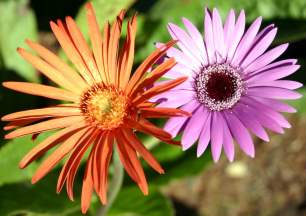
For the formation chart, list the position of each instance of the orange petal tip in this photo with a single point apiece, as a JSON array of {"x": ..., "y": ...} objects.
[
  {"x": 84, "y": 209},
  {"x": 22, "y": 165},
  {"x": 161, "y": 172},
  {"x": 19, "y": 49},
  {"x": 28, "y": 41},
  {"x": 7, "y": 136},
  {"x": 188, "y": 114},
  {"x": 88, "y": 6},
  {"x": 4, "y": 118},
  {"x": 34, "y": 180},
  {"x": 52, "y": 23}
]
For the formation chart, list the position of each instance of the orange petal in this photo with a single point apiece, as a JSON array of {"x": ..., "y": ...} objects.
[
  {"x": 48, "y": 143},
  {"x": 49, "y": 71},
  {"x": 125, "y": 160},
  {"x": 80, "y": 149},
  {"x": 70, "y": 50},
  {"x": 127, "y": 55},
  {"x": 83, "y": 49},
  {"x": 134, "y": 165},
  {"x": 145, "y": 105},
  {"x": 146, "y": 65},
  {"x": 87, "y": 187},
  {"x": 42, "y": 90},
  {"x": 163, "y": 138},
  {"x": 96, "y": 39},
  {"x": 159, "y": 112},
  {"x": 96, "y": 165},
  {"x": 105, "y": 46},
  {"x": 131, "y": 139},
  {"x": 157, "y": 73},
  {"x": 59, "y": 111},
  {"x": 115, "y": 34},
  {"x": 57, "y": 155},
  {"x": 158, "y": 89},
  {"x": 20, "y": 123},
  {"x": 59, "y": 64},
  {"x": 147, "y": 127},
  {"x": 102, "y": 157},
  {"x": 45, "y": 126},
  {"x": 77, "y": 154}
]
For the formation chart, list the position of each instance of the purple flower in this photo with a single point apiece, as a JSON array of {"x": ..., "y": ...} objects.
[{"x": 235, "y": 86}]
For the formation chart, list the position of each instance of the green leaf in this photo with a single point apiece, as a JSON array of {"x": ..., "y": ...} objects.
[
  {"x": 131, "y": 202},
  {"x": 11, "y": 153},
  {"x": 105, "y": 10},
  {"x": 16, "y": 24},
  {"x": 39, "y": 199},
  {"x": 153, "y": 26},
  {"x": 177, "y": 165}
]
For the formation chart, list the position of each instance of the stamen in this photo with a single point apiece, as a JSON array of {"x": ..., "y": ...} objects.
[
  {"x": 219, "y": 86},
  {"x": 104, "y": 106}
]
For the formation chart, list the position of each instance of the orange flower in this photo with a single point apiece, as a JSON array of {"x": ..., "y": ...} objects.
[{"x": 105, "y": 105}]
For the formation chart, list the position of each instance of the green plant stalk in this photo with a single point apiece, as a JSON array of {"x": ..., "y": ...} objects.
[{"x": 115, "y": 185}]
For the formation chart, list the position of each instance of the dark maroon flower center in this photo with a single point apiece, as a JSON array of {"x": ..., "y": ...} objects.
[{"x": 218, "y": 86}]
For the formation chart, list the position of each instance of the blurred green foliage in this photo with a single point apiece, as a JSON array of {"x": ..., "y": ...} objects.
[
  {"x": 131, "y": 201},
  {"x": 18, "y": 22}
]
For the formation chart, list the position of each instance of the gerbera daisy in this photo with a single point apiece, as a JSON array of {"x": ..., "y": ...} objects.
[
  {"x": 106, "y": 105},
  {"x": 234, "y": 86}
]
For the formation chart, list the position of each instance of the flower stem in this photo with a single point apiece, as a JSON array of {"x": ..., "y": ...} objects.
[{"x": 115, "y": 185}]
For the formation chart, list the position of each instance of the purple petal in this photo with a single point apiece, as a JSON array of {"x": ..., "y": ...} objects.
[
  {"x": 260, "y": 47},
  {"x": 286, "y": 84},
  {"x": 241, "y": 134},
  {"x": 264, "y": 32},
  {"x": 181, "y": 57},
  {"x": 246, "y": 41},
  {"x": 265, "y": 120},
  {"x": 185, "y": 43},
  {"x": 229, "y": 27},
  {"x": 216, "y": 135},
  {"x": 187, "y": 85},
  {"x": 277, "y": 105},
  {"x": 173, "y": 74},
  {"x": 228, "y": 144},
  {"x": 205, "y": 136},
  {"x": 218, "y": 34},
  {"x": 275, "y": 65},
  {"x": 194, "y": 127},
  {"x": 265, "y": 59},
  {"x": 277, "y": 117},
  {"x": 274, "y": 73},
  {"x": 273, "y": 93},
  {"x": 197, "y": 38},
  {"x": 250, "y": 122},
  {"x": 170, "y": 99},
  {"x": 209, "y": 37},
  {"x": 174, "y": 124},
  {"x": 187, "y": 71},
  {"x": 236, "y": 36}
]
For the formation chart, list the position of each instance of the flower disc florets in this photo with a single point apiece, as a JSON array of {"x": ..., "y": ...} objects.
[
  {"x": 106, "y": 106},
  {"x": 218, "y": 86}
]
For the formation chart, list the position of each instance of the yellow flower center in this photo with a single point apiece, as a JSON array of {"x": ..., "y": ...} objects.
[{"x": 104, "y": 106}]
